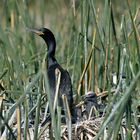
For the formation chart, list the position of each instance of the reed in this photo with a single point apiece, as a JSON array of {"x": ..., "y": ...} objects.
[{"x": 95, "y": 39}]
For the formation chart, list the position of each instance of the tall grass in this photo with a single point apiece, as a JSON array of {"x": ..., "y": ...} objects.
[{"x": 94, "y": 40}]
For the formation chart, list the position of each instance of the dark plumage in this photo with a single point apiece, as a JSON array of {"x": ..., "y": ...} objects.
[
  {"x": 65, "y": 81},
  {"x": 90, "y": 100}
]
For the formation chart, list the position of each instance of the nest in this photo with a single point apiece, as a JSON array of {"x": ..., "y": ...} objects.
[
  {"x": 86, "y": 129},
  {"x": 82, "y": 130}
]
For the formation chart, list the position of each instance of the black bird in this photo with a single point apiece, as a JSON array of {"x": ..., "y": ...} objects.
[
  {"x": 65, "y": 86},
  {"x": 90, "y": 100}
]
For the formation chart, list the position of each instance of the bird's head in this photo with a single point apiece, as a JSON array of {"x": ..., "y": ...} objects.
[
  {"x": 45, "y": 33},
  {"x": 48, "y": 36}
]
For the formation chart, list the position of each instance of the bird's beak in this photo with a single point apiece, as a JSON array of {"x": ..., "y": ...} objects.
[{"x": 36, "y": 31}]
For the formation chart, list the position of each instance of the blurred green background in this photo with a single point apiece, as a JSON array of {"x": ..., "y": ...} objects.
[{"x": 22, "y": 52}]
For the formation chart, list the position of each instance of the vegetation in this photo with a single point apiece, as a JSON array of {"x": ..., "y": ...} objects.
[{"x": 95, "y": 39}]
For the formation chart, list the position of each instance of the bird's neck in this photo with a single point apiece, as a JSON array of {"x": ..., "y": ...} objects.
[
  {"x": 50, "y": 60},
  {"x": 51, "y": 46},
  {"x": 51, "y": 51}
]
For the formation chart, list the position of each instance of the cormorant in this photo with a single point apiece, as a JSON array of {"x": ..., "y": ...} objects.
[
  {"x": 90, "y": 99},
  {"x": 65, "y": 86}
]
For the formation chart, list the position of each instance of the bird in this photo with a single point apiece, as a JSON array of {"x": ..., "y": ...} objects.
[
  {"x": 90, "y": 100},
  {"x": 92, "y": 106},
  {"x": 65, "y": 87}
]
